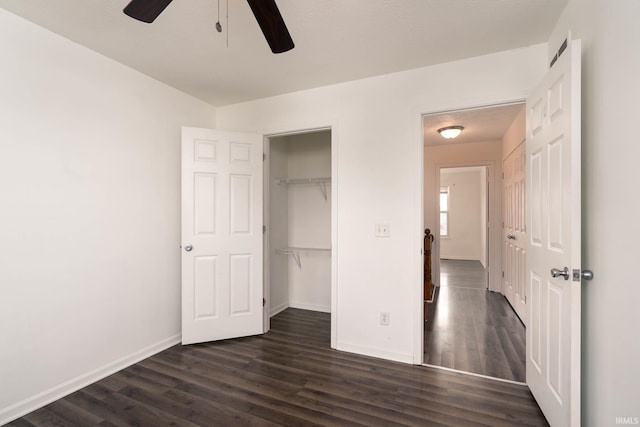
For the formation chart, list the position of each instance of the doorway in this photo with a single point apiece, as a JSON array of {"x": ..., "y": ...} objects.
[
  {"x": 298, "y": 222},
  {"x": 463, "y": 211},
  {"x": 469, "y": 325}
]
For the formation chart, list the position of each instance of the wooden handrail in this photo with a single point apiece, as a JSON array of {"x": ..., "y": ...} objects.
[{"x": 428, "y": 284}]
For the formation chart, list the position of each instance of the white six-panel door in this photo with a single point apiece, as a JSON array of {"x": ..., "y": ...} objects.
[
  {"x": 514, "y": 237},
  {"x": 221, "y": 235},
  {"x": 553, "y": 235}
]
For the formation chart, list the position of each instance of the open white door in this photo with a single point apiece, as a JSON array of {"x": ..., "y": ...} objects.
[
  {"x": 553, "y": 240},
  {"x": 221, "y": 235}
]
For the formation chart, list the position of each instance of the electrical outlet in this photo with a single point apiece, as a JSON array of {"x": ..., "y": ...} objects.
[
  {"x": 384, "y": 318},
  {"x": 382, "y": 230}
]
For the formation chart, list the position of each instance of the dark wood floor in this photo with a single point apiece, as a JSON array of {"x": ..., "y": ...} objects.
[
  {"x": 462, "y": 274},
  {"x": 288, "y": 377},
  {"x": 474, "y": 330}
]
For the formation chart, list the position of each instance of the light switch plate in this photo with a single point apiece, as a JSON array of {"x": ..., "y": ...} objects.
[{"x": 382, "y": 230}]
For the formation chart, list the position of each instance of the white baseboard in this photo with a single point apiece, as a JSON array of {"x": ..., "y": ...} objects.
[
  {"x": 30, "y": 404},
  {"x": 311, "y": 307},
  {"x": 277, "y": 309},
  {"x": 380, "y": 353}
]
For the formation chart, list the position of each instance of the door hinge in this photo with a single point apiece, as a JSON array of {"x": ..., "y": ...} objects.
[
  {"x": 264, "y": 229},
  {"x": 525, "y": 299},
  {"x": 503, "y": 274},
  {"x": 264, "y": 156},
  {"x": 264, "y": 302}
]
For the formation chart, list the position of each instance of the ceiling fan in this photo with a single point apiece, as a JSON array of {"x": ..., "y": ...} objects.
[{"x": 265, "y": 11}]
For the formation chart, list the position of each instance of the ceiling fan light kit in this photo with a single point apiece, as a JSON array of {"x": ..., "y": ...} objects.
[{"x": 266, "y": 12}]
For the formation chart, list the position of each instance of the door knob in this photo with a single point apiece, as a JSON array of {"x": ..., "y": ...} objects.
[
  {"x": 511, "y": 236},
  {"x": 188, "y": 248},
  {"x": 555, "y": 272}
]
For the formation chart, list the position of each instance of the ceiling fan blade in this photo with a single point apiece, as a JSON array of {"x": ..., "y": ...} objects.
[
  {"x": 272, "y": 25},
  {"x": 146, "y": 10}
]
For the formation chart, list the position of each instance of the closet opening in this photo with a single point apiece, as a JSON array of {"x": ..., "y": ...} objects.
[{"x": 298, "y": 224}]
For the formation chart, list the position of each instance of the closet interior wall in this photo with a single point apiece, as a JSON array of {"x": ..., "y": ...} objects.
[{"x": 300, "y": 217}]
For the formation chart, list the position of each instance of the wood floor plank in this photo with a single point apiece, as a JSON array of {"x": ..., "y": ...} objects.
[
  {"x": 115, "y": 414},
  {"x": 462, "y": 273},
  {"x": 45, "y": 417},
  {"x": 265, "y": 395},
  {"x": 74, "y": 414},
  {"x": 21, "y": 422},
  {"x": 193, "y": 408},
  {"x": 291, "y": 377},
  {"x": 364, "y": 412}
]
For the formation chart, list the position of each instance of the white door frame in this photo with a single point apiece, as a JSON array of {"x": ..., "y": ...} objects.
[
  {"x": 334, "y": 222},
  {"x": 493, "y": 211},
  {"x": 418, "y": 225}
]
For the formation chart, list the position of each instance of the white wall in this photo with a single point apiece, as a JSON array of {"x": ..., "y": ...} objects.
[
  {"x": 484, "y": 206},
  {"x": 465, "y": 235},
  {"x": 278, "y": 225},
  {"x": 611, "y": 205},
  {"x": 515, "y": 134},
  {"x": 376, "y": 125},
  {"x": 471, "y": 154},
  {"x": 89, "y": 214}
]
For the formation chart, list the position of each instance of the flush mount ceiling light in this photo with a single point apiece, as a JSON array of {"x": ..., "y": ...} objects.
[{"x": 450, "y": 132}]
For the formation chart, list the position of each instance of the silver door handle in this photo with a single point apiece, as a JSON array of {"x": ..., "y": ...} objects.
[
  {"x": 511, "y": 236},
  {"x": 555, "y": 272},
  {"x": 188, "y": 248}
]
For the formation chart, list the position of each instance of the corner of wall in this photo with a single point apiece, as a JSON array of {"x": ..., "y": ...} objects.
[
  {"x": 59, "y": 391},
  {"x": 515, "y": 134}
]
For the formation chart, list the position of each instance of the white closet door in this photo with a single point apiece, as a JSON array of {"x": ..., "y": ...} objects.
[
  {"x": 514, "y": 236},
  {"x": 221, "y": 235}
]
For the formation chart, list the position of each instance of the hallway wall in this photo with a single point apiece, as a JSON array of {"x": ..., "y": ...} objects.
[{"x": 464, "y": 241}]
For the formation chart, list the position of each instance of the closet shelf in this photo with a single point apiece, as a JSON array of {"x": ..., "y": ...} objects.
[
  {"x": 295, "y": 252},
  {"x": 322, "y": 182}
]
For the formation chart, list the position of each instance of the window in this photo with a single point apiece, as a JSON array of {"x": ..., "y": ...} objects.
[{"x": 444, "y": 211}]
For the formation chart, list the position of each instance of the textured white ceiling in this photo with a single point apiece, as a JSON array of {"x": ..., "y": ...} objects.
[
  {"x": 480, "y": 124},
  {"x": 336, "y": 40}
]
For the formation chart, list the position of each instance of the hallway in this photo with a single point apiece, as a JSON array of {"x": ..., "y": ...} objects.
[{"x": 471, "y": 329}]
